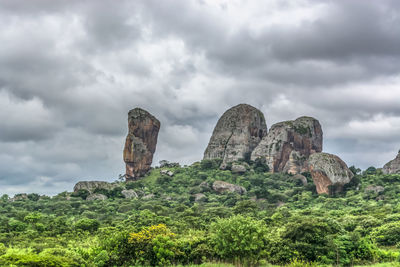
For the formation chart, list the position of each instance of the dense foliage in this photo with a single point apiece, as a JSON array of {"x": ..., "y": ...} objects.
[{"x": 278, "y": 221}]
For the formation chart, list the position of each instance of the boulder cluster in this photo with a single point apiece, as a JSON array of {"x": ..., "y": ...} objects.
[
  {"x": 291, "y": 146},
  {"x": 241, "y": 135}
]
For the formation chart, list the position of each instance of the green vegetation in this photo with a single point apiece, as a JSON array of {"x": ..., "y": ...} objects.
[{"x": 278, "y": 221}]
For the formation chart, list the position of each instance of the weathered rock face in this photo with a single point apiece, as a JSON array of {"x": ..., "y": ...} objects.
[
  {"x": 140, "y": 143},
  {"x": 237, "y": 133},
  {"x": 327, "y": 169},
  {"x": 288, "y": 145},
  {"x": 222, "y": 187},
  {"x": 392, "y": 166},
  {"x": 93, "y": 185}
]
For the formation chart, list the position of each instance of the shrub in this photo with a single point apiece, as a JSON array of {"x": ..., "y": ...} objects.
[{"x": 238, "y": 239}]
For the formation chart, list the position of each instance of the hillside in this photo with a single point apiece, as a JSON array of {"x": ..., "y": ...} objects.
[{"x": 184, "y": 217}]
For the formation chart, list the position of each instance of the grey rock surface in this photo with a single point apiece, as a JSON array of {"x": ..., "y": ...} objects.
[
  {"x": 237, "y": 133},
  {"x": 393, "y": 166},
  {"x": 93, "y": 185},
  {"x": 96, "y": 197},
  {"x": 167, "y": 172},
  {"x": 327, "y": 169},
  {"x": 238, "y": 168},
  {"x": 222, "y": 187},
  {"x": 374, "y": 188},
  {"x": 288, "y": 145},
  {"x": 199, "y": 197},
  {"x": 129, "y": 193}
]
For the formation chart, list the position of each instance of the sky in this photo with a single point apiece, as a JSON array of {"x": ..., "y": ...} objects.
[{"x": 70, "y": 70}]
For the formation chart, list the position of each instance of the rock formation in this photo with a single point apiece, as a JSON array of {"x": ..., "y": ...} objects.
[
  {"x": 288, "y": 145},
  {"x": 327, "y": 169},
  {"x": 237, "y": 133},
  {"x": 392, "y": 166},
  {"x": 140, "y": 143},
  {"x": 222, "y": 187}
]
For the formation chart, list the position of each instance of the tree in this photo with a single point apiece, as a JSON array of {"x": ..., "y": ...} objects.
[{"x": 239, "y": 239}]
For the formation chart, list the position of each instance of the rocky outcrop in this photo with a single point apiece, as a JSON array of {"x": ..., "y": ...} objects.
[
  {"x": 238, "y": 168},
  {"x": 237, "y": 133},
  {"x": 140, "y": 143},
  {"x": 129, "y": 193},
  {"x": 393, "y": 166},
  {"x": 91, "y": 186},
  {"x": 288, "y": 145},
  {"x": 167, "y": 172},
  {"x": 96, "y": 197},
  {"x": 222, "y": 187},
  {"x": 326, "y": 170}
]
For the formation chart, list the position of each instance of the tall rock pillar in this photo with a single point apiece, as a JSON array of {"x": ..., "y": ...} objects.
[{"x": 140, "y": 143}]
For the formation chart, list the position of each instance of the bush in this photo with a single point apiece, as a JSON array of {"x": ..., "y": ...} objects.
[
  {"x": 387, "y": 234},
  {"x": 238, "y": 239},
  {"x": 86, "y": 224}
]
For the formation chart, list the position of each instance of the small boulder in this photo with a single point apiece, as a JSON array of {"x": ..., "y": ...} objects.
[
  {"x": 393, "y": 166},
  {"x": 199, "y": 197},
  {"x": 129, "y": 193},
  {"x": 90, "y": 186},
  {"x": 238, "y": 168},
  {"x": 96, "y": 197},
  {"x": 149, "y": 196},
  {"x": 167, "y": 172},
  {"x": 374, "y": 188},
  {"x": 327, "y": 169},
  {"x": 222, "y": 187}
]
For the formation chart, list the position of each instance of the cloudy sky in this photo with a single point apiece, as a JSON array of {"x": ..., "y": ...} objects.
[{"x": 70, "y": 70}]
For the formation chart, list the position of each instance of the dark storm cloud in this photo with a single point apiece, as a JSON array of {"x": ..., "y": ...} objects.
[{"x": 71, "y": 70}]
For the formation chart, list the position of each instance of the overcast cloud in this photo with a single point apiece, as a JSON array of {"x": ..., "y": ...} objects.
[{"x": 71, "y": 70}]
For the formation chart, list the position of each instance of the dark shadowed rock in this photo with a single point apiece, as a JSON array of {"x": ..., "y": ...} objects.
[
  {"x": 327, "y": 169},
  {"x": 300, "y": 177},
  {"x": 237, "y": 133},
  {"x": 393, "y": 166},
  {"x": 288, "y": 145},
  {"x": 90, "y": 186},
  {"x": 222, "y": 187},
  {"x": 140, "y": 143}
]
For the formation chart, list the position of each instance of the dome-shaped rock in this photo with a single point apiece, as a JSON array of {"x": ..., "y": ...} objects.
[
  {"x": 392, "y": 166},
  {"x": 237, "y": 133},
  {"x": 327, "y": 169}
]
